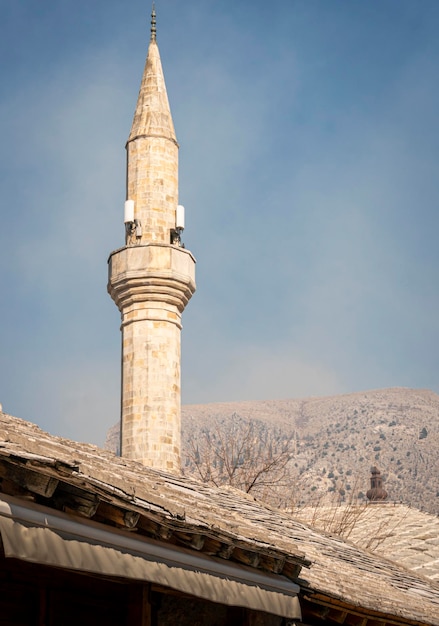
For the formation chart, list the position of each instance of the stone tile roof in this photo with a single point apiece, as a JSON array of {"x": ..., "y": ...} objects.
[
  {"x": 403, "y": 534},
  {"x": 223, "y": 522}
]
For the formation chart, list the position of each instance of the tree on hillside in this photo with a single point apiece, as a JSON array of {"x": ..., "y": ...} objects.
[{"x": 246, "y": 454}]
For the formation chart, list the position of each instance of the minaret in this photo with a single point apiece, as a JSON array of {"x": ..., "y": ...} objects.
[
  {"x": 151, "y": 279},
  {"x": 376, "y": 493}
]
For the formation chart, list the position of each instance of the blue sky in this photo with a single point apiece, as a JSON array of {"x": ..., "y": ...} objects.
[{"x": 309, "y": 158}]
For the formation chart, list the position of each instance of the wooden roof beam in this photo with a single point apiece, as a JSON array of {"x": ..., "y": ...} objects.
[
  {"x": 11, "y": 488},
  {"x": 356, "y": 620},
  {"x": 247, "y": 557},
  {"x": 29, "y": 480},
  {"x": 122, "y": 518},
  {"x": 226, "y": 551},
  {"x": 272, "y": 564},
  {"x": 355, "y": 616},
  {"x": 337, "y": 615},
  {"x": 291, "y": 569},
  {"x": 192, "y": 540},
  {"x": 76, "y": 501},
  {"x": 154, "y": 529}
]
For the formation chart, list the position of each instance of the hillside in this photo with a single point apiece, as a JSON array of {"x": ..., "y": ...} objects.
[{"x": 337, "y": 439}]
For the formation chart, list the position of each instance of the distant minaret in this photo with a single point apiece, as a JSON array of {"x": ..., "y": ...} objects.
[
  {"x": 376, "y": 493},
  {"x": 151, "y": 279}
]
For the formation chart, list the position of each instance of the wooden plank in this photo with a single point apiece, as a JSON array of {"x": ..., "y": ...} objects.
[
  {"x": 123, "y": 518},
  {"x": 154, "y": 529},
  {"x": 226, "y": 550},
  {"x": 337, "y": 615},
  {"x": 367, "y": 617},
  {"x": 29, "y": 480},
  {"x": 11, "y": 488},
  {"x": 356, "y": 620},
  {"x": 77, "y": 501},
  {"x": 271, "y": 564},
  {"x": 211, "y": 546},
  {"x": 245, "y": 556},
  {"x": 291, "y": 569},
  {"x": 195, "y": 541}
]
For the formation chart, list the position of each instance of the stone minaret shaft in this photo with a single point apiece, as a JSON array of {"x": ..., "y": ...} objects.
[{"x": 151, "y": 280}]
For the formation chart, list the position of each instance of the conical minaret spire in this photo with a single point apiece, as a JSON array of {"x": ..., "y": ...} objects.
[
  {"x": 152, "y": 153},
  {"x": 153, "y": 115},
  {"x": 151, "y": 278}
]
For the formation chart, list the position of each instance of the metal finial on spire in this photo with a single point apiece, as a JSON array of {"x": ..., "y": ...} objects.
[{"x": 153, "y": 23}]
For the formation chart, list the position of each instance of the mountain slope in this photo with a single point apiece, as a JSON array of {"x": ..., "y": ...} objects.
[{"x": 339, "y": 438}]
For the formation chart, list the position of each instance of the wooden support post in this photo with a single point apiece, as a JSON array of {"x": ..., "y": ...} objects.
[
  {"x": 139, "y": 613},
  {"x": 42, "y": 609}
]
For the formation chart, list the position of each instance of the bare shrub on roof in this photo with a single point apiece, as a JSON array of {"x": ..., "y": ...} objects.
[{"x": 246, "y": 454}]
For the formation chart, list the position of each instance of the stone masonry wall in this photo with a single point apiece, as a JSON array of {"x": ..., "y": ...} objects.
[
  {"x": 151, "y": 389},
  {"x": 152, "y": 182},
  {"x": 151, "y": 286}
]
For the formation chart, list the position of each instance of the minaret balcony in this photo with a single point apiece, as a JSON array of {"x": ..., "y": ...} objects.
[{"x": 151, "y": 273}]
